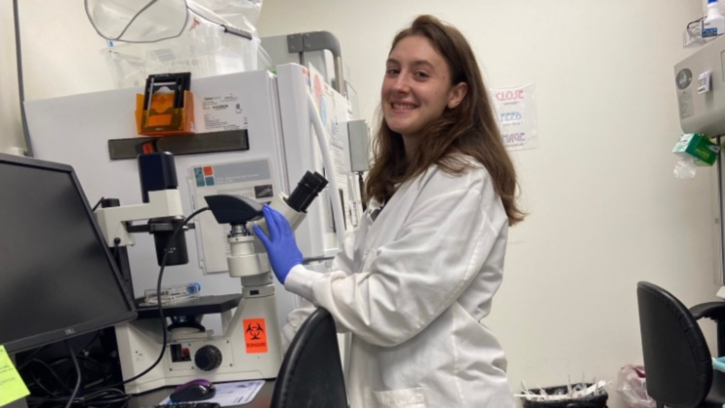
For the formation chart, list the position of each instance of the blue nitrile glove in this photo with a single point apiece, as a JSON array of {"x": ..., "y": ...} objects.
[{"x": 281, "y": 244}]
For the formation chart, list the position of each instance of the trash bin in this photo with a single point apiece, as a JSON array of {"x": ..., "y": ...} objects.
[{"x": 598, "y": 400}]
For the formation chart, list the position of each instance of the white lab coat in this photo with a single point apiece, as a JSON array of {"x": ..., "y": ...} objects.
[{"x": 413, "y": 287}]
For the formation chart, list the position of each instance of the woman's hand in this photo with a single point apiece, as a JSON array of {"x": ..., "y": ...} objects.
[{"x": 281, "y": 244}]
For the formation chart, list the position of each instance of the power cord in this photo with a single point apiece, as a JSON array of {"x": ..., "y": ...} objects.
[
  {"x": 27, "y": 360},
  {"x": 78, "y": 375},
  {"x": 162, "y": 318},
  {"x": 84, "y": 350},
  {"x": 116, "y": 243},
  {"x": 99, "y": 398},
  {"x": 97, "y": 204},
  {"x": 54, "y": 375}
]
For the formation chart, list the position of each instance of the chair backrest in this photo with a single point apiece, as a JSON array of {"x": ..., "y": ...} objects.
[
  {"x": 311, "y": 373},
  {"x": 677, "y": 361}
]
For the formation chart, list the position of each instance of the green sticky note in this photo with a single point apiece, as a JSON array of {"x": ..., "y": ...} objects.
[{"x": 12, "y": 386}]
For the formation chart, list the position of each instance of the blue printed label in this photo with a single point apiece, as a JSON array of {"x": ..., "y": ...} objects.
[{"x": 709, "y": 32}]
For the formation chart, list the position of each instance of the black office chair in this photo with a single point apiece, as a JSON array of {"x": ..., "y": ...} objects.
[
  {"x": 311, "y": 373},
  {"x": 677, "y": 361}
]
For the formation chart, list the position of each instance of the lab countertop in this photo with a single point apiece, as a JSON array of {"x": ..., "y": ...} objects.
[{"x": 153, "y": 398}]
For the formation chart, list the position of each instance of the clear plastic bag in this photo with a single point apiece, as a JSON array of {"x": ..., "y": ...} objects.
[
  {"x": 685, "y": 168},
  {"x": 204, "y": 37},
  {"x": 146, "y": 21},
  {"x": 632, "y": 386}
]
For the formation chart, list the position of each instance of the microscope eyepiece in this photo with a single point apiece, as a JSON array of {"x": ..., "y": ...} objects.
[{"x": 307, "y": 189}]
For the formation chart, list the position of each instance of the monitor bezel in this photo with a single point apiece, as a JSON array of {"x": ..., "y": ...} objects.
[{"x": 54, "y": 336}]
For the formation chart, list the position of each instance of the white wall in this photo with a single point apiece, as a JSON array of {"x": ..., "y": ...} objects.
[
  {"x": 61, "y": 51},
  {"x": 61, "y": 56},
  {"x": 605, "y": 208}
]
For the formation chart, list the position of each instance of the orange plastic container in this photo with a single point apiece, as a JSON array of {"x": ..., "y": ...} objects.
[{"x": 162, "y": 119}]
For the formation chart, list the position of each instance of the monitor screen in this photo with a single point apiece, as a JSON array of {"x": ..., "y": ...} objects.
[{"x": 57, "y": 277}]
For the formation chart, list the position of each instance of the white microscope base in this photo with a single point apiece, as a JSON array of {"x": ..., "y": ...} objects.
[{"x": 139, "y": 344}]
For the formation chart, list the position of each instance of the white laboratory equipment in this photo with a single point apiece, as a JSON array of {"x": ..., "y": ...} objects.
[{"x": 259, "y": 143}]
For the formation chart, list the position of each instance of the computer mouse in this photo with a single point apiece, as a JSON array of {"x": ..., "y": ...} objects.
[{"x": 197, "y": 390}]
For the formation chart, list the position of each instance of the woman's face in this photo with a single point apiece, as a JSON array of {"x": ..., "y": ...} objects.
[{"x": 417, "y": 87}]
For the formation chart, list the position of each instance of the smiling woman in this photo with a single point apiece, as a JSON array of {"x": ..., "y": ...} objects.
[
  {"x": 417, "y": 89},
  {"x": 433, "y": 95},
  {"x": 417, "y": 279}
]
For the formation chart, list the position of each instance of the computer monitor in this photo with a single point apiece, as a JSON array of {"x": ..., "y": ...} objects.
[{"x": 57, "y": 276}]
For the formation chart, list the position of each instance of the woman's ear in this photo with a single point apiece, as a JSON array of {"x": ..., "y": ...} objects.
[{"x": 456, "y": 94}]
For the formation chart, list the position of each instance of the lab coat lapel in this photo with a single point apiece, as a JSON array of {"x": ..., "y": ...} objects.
[{"x": 386, "y": 226}]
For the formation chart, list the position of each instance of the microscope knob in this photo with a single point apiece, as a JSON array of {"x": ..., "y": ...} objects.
[{"x": 208, "y": 358}]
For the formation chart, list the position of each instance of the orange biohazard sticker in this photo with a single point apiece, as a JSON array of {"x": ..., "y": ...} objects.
[{"x": 255, "y": 335}]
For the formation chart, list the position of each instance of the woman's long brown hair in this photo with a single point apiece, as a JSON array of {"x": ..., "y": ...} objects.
[{"x": 470, "y": 128}]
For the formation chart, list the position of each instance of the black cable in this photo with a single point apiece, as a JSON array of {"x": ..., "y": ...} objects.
[
  {"x": 99, "y": 381},
  {"x": 30, "y": 358},
  {"x": 97, "y": 204},
  {"x": 694, "y": 21},
  {"x": 98, "y": 366},
  {"x": 309, "y": 260},
  {"x": 60, "y": 393},
  {"x": 93, "y": 340},
  {"x": 361, "y": 185},
  {"x": 99, "y": 398},
  {"x": 162, "y": 318},
  {"x": 116, "y": 243},
  {"x": 53, "y": 373},
  {"x": 83, "y": 363},
  {"x": 104, "y": 396},
  {"x": 78, "y": 373},
  {"x": 39, "y": 384}
]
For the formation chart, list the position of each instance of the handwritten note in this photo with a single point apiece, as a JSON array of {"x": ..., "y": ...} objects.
[
  {"x": 12, "y": 386},
  {"x": 516, "y": 110}
]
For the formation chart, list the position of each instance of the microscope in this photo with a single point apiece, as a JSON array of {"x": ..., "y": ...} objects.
[{"x": 250, "y": 346}]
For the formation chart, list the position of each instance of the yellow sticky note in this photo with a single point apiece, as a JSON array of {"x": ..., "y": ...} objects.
[{"x": 12, "y": 386}]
